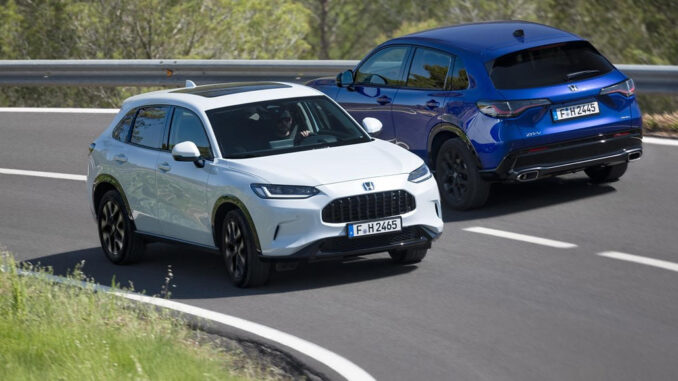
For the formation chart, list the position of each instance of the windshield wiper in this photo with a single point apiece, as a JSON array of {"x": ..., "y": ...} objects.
[
  {"x": 582, "y": 73},
  {"x": 244, "y": 155}
]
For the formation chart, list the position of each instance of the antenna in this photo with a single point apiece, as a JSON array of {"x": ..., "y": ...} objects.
[
  {"x": 518, "y": 33},
  {"x": 190, "y": 84}
]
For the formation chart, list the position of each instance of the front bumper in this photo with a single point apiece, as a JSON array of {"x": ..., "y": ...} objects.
[
  {"x": 297, "y": 229},
  {"x": 565, "y": 157},
  {"x": 344, "y": 247}
]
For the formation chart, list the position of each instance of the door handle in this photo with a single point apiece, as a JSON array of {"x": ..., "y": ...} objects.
[
  {"x": 432, "y": 104},
  {"x": 382, "y": 100},
  {"x": 120, "y": 158},
  {"x": 164, "y": 166}
]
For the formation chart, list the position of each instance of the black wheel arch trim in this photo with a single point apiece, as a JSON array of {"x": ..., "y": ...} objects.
[
  {"x": 449, "y": 127},
  {"x": 241, "y": 206},
  {"x": 108, "y": 179}
]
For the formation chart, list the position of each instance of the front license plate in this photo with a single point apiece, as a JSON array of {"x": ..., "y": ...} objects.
[
  {"x": 374, "y": 227},
  {"x": 575, "y": 111}
]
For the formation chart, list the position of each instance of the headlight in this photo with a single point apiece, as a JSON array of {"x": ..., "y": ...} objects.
[
  {"x": 283, "y": 191},
  {"x": 420, "y": 174}
]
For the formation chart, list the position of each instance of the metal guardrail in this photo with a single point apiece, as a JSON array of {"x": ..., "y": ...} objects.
[
  {"x": 648, "y": 78},
  {"x": 161, "y": 72}
]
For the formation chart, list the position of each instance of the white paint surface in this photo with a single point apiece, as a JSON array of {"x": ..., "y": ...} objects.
[
  {"x": 666, "y": 265},
  {"x": 521, "y": 237},
  {"x": 51, "y": 175}
]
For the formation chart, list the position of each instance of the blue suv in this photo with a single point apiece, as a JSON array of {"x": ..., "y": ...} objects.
[{"x": 496, "y": 102}]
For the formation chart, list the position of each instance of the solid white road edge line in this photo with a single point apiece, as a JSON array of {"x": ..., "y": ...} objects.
[
  {"x": 61, "y": 110},
  {"x": 660, "y": 141},
  {"x": 521, "y": 237},
  {"x": 51, "y": 175},
  {"x": 339, "y": 364},
  {"x": 666, "y": 265}
]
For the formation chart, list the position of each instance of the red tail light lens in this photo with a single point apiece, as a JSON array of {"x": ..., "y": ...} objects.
[
  {"x": 627, "y": 88},
  {"x": 509, "y": 109}
]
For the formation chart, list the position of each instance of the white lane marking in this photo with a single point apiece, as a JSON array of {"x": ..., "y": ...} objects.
[
  {"x": 521, "y": 237},
  {"x": 641, "y": 260},
  {"x": 51, "y": 175},
  {"x": 339, "y": 364},
  {"x": 664, "y": 142},
  {"x": 61, "y": 110}
]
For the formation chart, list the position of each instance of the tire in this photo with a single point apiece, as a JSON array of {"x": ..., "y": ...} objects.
[
  {"x": 459, "y": 181},
  {"x": 118, "y": 239},
  {"x": 406, "y": 256},
  {"x": 606, "y": 174},
  {"x": 243, "y": 265}
]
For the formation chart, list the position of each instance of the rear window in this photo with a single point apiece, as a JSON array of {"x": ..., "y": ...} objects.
[{"x": 548, "y": 65}]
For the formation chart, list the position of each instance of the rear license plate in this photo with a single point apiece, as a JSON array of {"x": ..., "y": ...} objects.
[
  {"x": 575, "y": 111},
  {"x": 374, "y": 227}
]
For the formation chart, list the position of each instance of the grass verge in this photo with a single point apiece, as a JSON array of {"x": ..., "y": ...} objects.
[
  {"x": 664, "y": 124},
  {"x": 53, "y": 331}
]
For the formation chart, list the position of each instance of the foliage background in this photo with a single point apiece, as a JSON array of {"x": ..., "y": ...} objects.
[{"x": 626, "y": 31}]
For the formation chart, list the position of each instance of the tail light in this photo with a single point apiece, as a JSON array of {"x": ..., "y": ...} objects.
[
  {"x": 627, "y": 88},
  {"x": 509, "y": 109}
]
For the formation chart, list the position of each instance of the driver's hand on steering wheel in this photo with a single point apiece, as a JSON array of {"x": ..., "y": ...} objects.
[{"x": 305, "y": 133}]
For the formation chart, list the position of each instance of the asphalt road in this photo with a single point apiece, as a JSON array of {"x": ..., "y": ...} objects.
[{"x": 479, "y": 307}]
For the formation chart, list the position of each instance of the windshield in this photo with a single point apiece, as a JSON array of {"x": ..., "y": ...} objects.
[
  {"x": 282, "y": 126},
  {"x": 548, "y": 65}
]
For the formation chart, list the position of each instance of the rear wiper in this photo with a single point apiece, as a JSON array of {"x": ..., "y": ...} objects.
[{"x": 576, "y": 74}]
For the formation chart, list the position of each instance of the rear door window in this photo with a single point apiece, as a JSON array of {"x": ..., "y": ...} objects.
[
  {"x": 548, "y": 65},
  {"x": 149, "y": 126},
  {"x": 429, "y": 69},
  {"x": 384, "y": 68}
]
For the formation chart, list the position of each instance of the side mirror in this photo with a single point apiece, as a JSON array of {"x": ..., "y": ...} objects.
[
  {"x": 187, "y": 151},
  {"x": 345, "y": 78},
  {"x": 372, "y": 126}
]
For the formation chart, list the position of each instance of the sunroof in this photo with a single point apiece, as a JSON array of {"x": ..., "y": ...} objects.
[{"x": 212, "y": 91}]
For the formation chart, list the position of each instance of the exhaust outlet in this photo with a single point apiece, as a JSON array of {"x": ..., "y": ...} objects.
[
  {"x": 527, "y": 176},
  {"x": 635, "y": 155}
]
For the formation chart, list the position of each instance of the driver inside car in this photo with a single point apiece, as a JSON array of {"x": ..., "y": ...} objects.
[{"x": 285, "y": 127}]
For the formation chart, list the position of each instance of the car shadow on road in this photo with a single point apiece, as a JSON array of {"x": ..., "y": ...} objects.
[
  {"x": 202, "y": 275},
  {"x": 513, "y": 198}
]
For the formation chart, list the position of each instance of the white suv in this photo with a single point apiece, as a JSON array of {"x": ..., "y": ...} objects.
[{"x": 261, "y": 172}]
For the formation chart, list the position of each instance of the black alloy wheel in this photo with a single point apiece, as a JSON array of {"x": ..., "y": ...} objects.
[
  {"x": 118, "y": 239},
  {"x": 243, "y": 265},
  {"x": 459, "y": 181}
]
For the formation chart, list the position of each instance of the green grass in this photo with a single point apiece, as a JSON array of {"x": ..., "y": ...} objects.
[{"x": 53, "y": 331}]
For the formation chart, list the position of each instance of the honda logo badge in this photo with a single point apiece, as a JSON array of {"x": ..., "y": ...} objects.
[
  {"x": 368, "y": 186},
  {"x": 573, "y": 87}
]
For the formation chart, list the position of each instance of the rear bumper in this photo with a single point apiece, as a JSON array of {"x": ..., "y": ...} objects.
[
  {"x": 566, "y": 157},
  {"x": 343, "y": 247}
]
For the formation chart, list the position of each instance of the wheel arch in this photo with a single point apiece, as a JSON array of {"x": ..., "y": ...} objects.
[
  {"x": 222, "y": 206},
  {"x": 102, "y": 184},
  {"x": 443, "y": 132}
]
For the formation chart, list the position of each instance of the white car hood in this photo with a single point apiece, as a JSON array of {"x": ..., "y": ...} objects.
[{"x": 331, "y": 165}]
